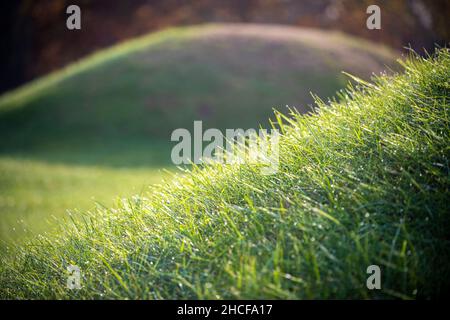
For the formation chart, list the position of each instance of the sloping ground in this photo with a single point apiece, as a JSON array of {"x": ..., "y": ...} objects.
[
  {"x": 227, "y": 75},
  {"x": 64, "y": 136},
  {"x": 364, "y": 181}
]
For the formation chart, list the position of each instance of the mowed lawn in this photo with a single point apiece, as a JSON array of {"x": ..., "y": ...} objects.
[{"x": 38, "y": 191}]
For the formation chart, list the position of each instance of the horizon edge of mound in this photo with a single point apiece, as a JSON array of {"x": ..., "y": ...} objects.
[{"x": 305, "y": 36}]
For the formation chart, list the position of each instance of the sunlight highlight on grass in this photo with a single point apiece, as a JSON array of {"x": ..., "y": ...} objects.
[{"x": 364, "y": 180}]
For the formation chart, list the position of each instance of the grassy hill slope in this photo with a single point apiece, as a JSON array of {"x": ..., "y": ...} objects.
[
  {"x": 64, "y": 136},
  {"x": 362, "y": 181}
]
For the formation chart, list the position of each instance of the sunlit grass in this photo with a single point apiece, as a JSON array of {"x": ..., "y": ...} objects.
[
  {"x": 100, "y": 128},
  {"x": 36, "y": 196},
  {"x": 39, "y": 186},
  {"x": 363, "y": 181}
]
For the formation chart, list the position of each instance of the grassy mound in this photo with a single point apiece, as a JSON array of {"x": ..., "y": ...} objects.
[
  {"x": 64, "y": 136},
  {"x": 363, "y": 181},
  {"x": 152, "y": 85}
]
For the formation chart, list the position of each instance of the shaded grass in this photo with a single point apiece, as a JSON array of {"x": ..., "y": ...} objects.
[{"x": 362, "y": 181}]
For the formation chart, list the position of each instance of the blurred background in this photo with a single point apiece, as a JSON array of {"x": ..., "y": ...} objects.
[
  {"x": 86, "y": 115},
  {"x": 35, "y": 39}
]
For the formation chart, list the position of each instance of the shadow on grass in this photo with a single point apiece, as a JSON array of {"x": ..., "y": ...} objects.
[{"x": 114, "y": 153}]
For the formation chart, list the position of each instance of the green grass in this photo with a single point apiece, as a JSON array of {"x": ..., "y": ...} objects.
[
  {"x": 39, "y": 187},
  {"x": 73, "y": 135},
  {"x": 364, "y": 180},
  {"x": 35, "y": 196}
]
